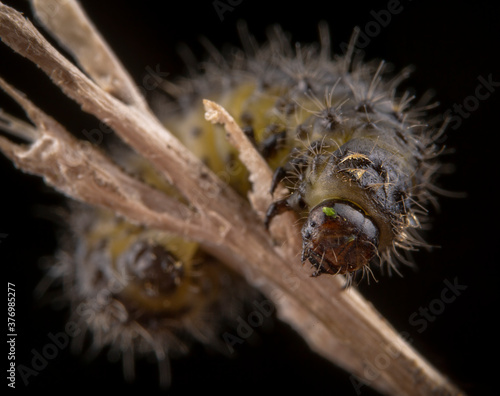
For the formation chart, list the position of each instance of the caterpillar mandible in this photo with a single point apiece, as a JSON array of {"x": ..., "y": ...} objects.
[{"x": 358, "y": 158}]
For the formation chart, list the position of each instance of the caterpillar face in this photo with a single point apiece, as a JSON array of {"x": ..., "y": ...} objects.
[{"x": 339, "y": 238}]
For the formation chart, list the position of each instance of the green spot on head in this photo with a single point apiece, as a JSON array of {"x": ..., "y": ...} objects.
[{"x": 329, "y": 212}]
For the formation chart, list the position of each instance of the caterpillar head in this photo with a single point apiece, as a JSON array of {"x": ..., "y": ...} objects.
[
  {"x": 338, "y": 238},
  {"x": 154, "y": 278}
]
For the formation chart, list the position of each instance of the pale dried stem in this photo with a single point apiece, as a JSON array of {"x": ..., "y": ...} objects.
[
  {"x": 261, "y": 177},
  {"x": 260, "y": 173},
  {"x": 81, "y": 39},
  {"x": 337, "y": 324},
  {"x": 81, "y": 171}
]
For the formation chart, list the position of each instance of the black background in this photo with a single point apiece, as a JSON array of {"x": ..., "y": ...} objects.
[{"x": 451, "y": 44}]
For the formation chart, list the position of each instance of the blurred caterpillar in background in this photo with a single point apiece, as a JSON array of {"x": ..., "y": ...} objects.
[
  {"x": 358, "y": 159},
  {"x": 139, "y": 292}
]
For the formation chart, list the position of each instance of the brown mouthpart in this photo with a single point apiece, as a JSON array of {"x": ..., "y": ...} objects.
[{"x": 339, "y": 237}]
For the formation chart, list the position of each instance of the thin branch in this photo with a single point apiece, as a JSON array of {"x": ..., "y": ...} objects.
[
  {"x": 81, "y": 171},
  {"x": 70, "y": 26},
  {"x": 337, "y": 324},
  {"x": 139, "y": 129},
  {"x": 260, "y": 173},
  {"x": 261, "y": 178}
]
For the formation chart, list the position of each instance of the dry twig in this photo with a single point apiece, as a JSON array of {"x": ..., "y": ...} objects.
[{"x": 338, "y": 324}]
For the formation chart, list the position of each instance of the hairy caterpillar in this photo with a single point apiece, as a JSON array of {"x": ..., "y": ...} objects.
[
  {"x": 138, "y": 292},
  {"x": 141, "y": 293},
  {"x": 358, "y": 159},
  {"x": 274, "y": 145}
]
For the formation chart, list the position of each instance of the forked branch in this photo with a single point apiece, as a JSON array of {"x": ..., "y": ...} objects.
[{"x": 338, "y": 324}]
